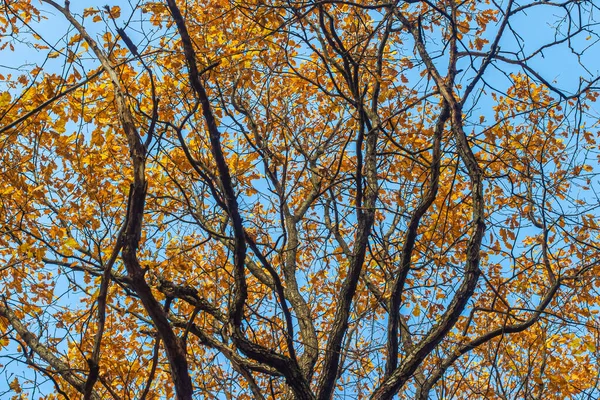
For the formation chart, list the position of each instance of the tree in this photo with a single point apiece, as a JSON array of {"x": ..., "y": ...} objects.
[{"x": 308, "y": 199}]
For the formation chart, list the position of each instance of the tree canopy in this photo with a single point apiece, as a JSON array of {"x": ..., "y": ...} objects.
[{"x": 306, "y": 199}]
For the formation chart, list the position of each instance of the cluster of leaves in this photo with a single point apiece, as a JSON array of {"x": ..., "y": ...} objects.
[{"x": 308, "y": 199}]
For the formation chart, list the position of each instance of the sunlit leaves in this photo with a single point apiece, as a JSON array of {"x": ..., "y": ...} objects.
[{"x": 298, "y": 92}]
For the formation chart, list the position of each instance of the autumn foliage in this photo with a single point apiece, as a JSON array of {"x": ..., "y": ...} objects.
[{"x": 308, "y": 199}]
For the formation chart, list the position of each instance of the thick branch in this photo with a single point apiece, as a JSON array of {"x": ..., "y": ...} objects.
[
  {"x": 135, "y": 210},
  {"x": 409, "y": 243}
]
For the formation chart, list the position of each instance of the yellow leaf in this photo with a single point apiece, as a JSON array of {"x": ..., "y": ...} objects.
[
  {"x": 590, "y": 346},
  {"x": 74, "y": 39},
  {"x": 115, "y": 12},
  {"x": 89, "y": 11},
  {"x": 70, "y": 242},
  {"x": 4, "y": 99},
  {"x": 15, "y": 386}
]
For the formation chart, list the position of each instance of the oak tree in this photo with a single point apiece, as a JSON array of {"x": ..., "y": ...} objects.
[{"x": 306, "y": 199}]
